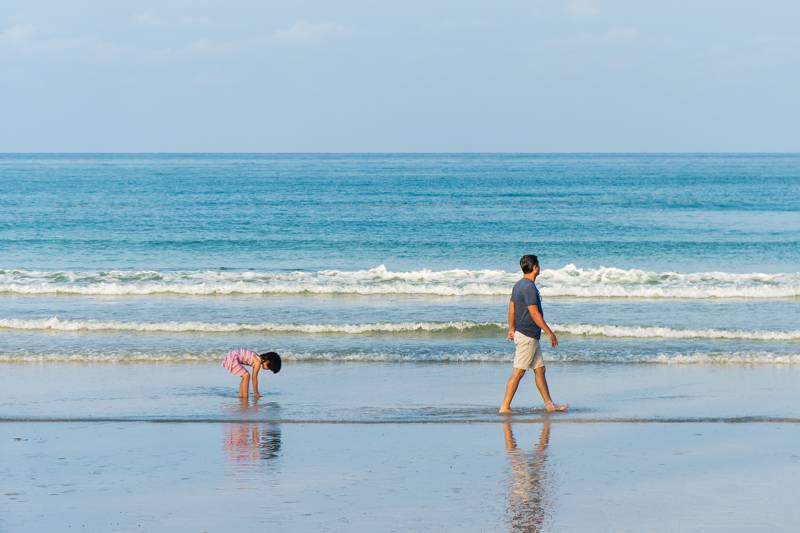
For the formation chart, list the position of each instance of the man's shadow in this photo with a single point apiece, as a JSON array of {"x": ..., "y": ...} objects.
[{"x": 528, "y": 481}]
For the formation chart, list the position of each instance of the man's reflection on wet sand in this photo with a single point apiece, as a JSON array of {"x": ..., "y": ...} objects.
[
  {"x": 527, "y": 485},
  {"x": 252, "y": 441}
]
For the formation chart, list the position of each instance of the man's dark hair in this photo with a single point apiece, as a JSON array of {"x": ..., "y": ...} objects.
[
  {"x": 273, "y": 359},
  {"x": 527, "y": 262}
]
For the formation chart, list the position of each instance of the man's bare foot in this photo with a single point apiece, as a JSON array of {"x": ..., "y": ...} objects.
[
  {"x": 504, "y": 411},
  {"x": 555, "y": 407}
]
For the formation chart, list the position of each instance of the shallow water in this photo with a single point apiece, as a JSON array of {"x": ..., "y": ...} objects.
[
  {"x": 464, "y": 477},
  {"x": 381, "y": 393}
]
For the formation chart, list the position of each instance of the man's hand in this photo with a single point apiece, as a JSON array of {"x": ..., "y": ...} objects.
[
  {"x": 510, "y": 335},
  {"x": 553, "y": 339}
]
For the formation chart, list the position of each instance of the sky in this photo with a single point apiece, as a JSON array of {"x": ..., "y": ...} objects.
[{"x": 399, "y": 76}]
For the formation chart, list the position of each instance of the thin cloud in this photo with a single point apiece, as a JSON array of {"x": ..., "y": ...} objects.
[
  {"x": 150, "y": 20},
  {"x": 583, "y": 8},
  {"x": 212, "y": 47},
  {"x": 305, "y": 32},
  {"x": 147, "y": 19},
  {"x": 622, "y": 35},
  {"x": 193, "y": 21},
  {"x": 18, "y": 34}
]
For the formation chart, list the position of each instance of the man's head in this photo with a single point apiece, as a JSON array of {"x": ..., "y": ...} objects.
[{"x": 529, "y": 264}]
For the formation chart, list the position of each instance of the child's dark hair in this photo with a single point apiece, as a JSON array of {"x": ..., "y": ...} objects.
[{"x": 273, "y": 361}]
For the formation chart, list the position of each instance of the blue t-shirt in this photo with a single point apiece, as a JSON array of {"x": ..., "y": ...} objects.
[{"x": 524, "y": 294}]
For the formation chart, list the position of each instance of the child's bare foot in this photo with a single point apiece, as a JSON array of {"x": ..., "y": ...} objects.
[
  {"x": 555, "y": 407},
  {"x": 504, "y": 411}
]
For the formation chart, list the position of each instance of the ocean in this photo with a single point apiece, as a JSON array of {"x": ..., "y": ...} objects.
[{"x": 398, "y": 258}]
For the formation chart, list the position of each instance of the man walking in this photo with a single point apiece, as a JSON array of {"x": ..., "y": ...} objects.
[{"x": 525, "y": 326}]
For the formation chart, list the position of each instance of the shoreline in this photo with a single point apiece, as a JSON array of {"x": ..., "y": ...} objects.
[
  {"x": 499, "y": 420},
  {"x": 368, "y": 391}
]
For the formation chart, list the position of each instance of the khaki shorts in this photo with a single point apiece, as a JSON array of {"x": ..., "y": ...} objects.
[{"x": 528, "y": 353}]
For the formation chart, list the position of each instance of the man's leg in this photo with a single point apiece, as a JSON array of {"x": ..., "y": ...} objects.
[
  {"x": 541, "y": 384},
  {"x": 511, "y": 389}
]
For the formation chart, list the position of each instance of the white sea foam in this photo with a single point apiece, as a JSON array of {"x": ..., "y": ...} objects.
[
  {"x": 658, "y": 332},
  {"x": 568, "y": 281},
  {"x": 665, "y": 358},
  {"x": 689, "y": 358},
  {"x": 452, "y": 327},
  {"x": 57, "y": 324}
]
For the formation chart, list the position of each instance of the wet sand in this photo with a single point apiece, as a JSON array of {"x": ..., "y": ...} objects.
[{"x": 335, "y": 447}]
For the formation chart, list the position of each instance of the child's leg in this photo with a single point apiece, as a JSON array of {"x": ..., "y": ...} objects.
[
  {"x": 232, "y": 365},
  {"x": 244, "y": 386}
]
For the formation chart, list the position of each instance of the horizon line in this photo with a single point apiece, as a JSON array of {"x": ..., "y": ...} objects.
[{"x": 781, "y": 152}]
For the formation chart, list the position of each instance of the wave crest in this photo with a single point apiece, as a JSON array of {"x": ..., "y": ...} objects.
[
  {"x": 444, "y": 328},
  {"x": 665, "y": 358},
  {"x": 568, "y": 281}
]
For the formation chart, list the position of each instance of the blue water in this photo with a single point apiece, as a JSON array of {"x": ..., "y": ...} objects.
[{"x": 154, "y": 257}]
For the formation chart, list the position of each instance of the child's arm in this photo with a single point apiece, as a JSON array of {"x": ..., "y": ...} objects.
[{"x": 256, "y": 368}]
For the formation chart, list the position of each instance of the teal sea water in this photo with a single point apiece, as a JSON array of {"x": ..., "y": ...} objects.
[{"x": 669, "y": 259}]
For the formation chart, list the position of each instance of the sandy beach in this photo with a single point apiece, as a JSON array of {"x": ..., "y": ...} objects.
[{"x": 130, "y": 447}]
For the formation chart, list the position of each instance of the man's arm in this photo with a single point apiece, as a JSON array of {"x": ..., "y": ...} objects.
[
  {"x": 538, "y": 319},
  {"x": 510, "y": 335}
]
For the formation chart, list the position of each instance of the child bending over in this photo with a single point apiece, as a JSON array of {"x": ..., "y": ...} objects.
[{"x": 236, "y": 360}]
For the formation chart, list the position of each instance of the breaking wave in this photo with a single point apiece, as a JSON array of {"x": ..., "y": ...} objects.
[
  {"x": 568, "y": 281},
  {"x": 665, "y": 358},
  {"x": 57, "y": 324},
  {"x": 398, "y": 328}
]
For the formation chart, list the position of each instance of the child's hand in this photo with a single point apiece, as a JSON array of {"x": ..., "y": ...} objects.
[{"x": 510, "y": 335}]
